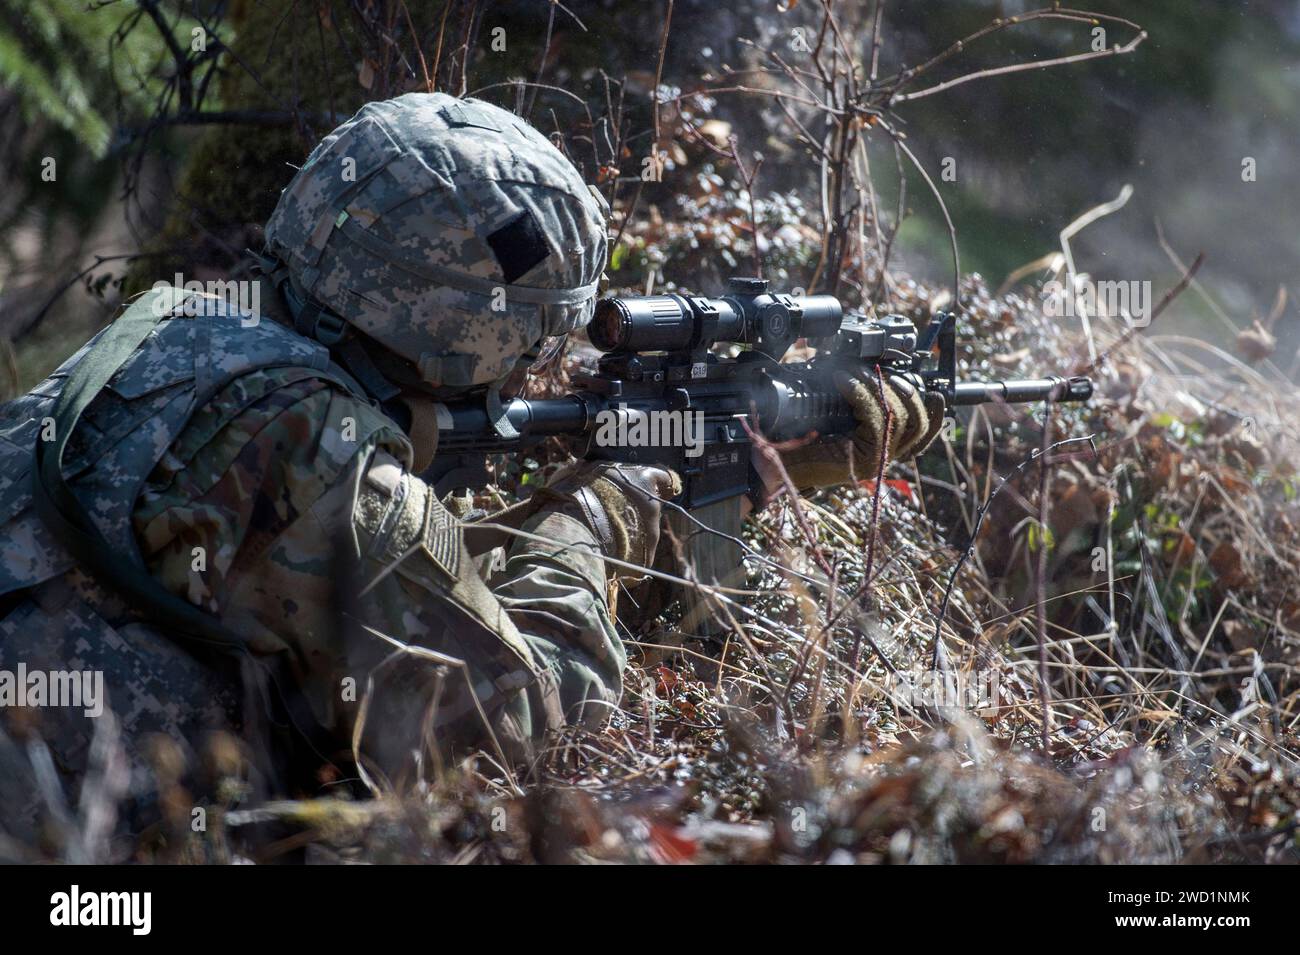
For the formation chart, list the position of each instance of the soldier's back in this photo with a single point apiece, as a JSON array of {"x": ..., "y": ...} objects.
[{"x": 214, "y": 437}]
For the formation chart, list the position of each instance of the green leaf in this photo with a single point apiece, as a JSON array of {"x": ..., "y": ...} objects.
[{"x": 1046, "y": 534}]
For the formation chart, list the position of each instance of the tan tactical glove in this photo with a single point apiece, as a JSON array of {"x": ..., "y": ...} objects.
[
  {"x": 916, "y": 420},
  {"x": 620, "y": 503}
]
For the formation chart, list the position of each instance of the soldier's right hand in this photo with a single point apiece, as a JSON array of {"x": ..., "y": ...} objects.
[{"x": 621, "y": 503}]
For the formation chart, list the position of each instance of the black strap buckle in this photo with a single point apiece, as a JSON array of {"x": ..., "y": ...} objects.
[{"x": 329, "y": 329}]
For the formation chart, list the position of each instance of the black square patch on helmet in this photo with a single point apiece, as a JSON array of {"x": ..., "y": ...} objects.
[
  {"x": 463, "y": 114},
  {"x": 519, "y": 245}
]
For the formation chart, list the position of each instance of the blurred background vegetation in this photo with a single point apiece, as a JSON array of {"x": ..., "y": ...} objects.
[{"x": 172, "y": 125}]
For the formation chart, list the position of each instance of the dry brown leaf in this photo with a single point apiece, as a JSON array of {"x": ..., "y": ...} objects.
[
  {"x": 1226, "y": 561},
  {"x": 1256, "y": 343}
]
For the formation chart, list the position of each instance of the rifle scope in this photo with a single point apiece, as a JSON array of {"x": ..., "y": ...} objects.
[{"x": 679, "y": 323}]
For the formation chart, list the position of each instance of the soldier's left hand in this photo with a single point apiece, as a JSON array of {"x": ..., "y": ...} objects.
[{"x": 907, "y": 416}]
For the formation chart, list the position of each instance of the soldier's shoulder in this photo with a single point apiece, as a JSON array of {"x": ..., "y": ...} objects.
[
  {"x": 271, "y": 443},
  {"x": 256, "y": 377},
  {"x": 296, "y": 408}
]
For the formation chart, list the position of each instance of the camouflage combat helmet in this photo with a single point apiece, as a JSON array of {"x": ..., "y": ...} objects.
[{"x": 448, "y": 230}]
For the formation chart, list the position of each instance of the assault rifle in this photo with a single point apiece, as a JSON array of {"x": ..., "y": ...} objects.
[{"x": 658, "y": 366}]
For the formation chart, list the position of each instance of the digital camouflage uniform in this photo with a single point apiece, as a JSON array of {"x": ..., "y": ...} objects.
[
  {"x": 221, "y": 511},
  {"x": 254, "y": 476}
]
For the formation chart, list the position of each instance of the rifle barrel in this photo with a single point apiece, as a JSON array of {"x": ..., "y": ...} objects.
[{"x": 1022, "y": 390}]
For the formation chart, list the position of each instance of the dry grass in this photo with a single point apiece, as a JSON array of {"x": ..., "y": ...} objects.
[{"x": 1172, "y": 732}]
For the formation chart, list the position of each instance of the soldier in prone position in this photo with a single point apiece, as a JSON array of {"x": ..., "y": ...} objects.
[{"x": 221, "y": 511}]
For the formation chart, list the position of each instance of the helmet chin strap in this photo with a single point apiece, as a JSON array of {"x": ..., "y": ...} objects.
[
  {"x": 313, "y": 320},
  {"x": 422, "y": 429}
]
